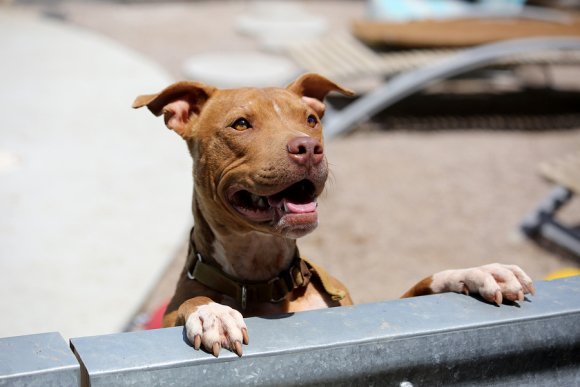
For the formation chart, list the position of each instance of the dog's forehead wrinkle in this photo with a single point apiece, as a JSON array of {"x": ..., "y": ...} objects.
[
  {"x": 285, "y": 112},
  {"x": 230, "y": 99},
  {"x": 265, "y": 103}
]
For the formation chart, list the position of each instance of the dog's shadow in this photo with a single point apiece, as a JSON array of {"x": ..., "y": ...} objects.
[
  {"x": 185, "y": 339},
  {"x": 504, "y": 302},
  {"x": 276, "y": 316}
]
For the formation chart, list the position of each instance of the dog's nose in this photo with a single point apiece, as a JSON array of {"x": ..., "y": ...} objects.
[{"x": 305, "y": 150}]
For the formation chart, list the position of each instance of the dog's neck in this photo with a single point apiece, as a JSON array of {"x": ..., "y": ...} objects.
[{"x": 247, "y": 256}]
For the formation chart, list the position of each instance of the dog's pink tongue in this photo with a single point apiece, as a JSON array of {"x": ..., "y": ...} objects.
[{"x": 300, "y": 208}]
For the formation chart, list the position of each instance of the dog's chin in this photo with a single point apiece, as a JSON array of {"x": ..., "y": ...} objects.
[
  {"x": 295, "y": 226},
  {"x": 291, "y": 212},
  {"x": 291, "y": 226}
]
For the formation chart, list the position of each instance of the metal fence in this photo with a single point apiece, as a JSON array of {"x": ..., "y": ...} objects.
[{"x": 446, "y": 339}]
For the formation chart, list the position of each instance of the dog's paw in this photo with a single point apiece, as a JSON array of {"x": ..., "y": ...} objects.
[
  {"x": 493, "y": 282},
  {"x": 216, "y": 326}
]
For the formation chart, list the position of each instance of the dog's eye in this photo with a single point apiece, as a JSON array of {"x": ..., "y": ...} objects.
[
  {"x": 312, "y": 121},
  {"x": 241, "y": 124}
]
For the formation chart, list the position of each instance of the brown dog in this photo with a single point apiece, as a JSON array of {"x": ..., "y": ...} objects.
[{"x": 259, "y": 166}]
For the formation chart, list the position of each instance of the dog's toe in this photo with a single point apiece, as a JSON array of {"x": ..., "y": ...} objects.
[
  {"x": 505, "y": 281},
  {"x": 215, "y": 326},
  {"x": 494, "y": 282}
]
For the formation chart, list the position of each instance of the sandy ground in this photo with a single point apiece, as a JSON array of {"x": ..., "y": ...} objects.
[{"x": 400, "y": 204}]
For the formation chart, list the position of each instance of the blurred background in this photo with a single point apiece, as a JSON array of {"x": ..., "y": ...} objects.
[{"x": 95, "y": 197}]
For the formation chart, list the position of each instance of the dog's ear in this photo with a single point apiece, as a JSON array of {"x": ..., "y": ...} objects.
[
  {"x": 178, "y": 103},
  {"x": 313, "y": 88}
]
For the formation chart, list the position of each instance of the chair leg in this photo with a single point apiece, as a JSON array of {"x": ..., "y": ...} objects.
[{"x": 541, "y": 225}]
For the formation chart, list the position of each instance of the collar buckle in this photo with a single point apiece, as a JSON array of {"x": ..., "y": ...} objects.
[
  {"x": 190, "y": 271},
  {"x": 275, "y": 290},
  {"x": 284, "y": 293}
]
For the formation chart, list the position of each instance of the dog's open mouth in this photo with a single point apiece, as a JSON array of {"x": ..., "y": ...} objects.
[{"x": 298, "y": 199}]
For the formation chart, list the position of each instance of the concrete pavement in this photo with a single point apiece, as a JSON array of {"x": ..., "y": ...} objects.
[{"x": 94, "y": 196}]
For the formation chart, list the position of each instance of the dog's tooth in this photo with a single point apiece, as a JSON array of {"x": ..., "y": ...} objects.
[
  {"x": 255, "y": 198},
  {"x": 285, "y": 206},
  {"x": 262, "y": 203}
]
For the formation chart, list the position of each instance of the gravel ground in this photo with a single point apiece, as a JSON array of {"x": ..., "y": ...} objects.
[{"x": 400, "y": 204}]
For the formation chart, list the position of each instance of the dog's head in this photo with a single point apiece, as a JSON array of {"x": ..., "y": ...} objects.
[{"x": 258, "y": 154}]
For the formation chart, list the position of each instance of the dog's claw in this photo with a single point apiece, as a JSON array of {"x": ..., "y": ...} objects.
[
  {"x": 216, "y": 349},
  {"x": 213, "y": 326},
  {"x": 245, "y": 336},
  {"x": 465, "y": 290},
  {"x": 494, "y": 282},
  {"x": 197, "y": 342},
  {"x": 531, "y": 288},
  {"x": 238, "y": 348}
]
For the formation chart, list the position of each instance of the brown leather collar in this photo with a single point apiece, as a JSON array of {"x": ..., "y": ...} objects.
[{"x": 275, "y": 290}]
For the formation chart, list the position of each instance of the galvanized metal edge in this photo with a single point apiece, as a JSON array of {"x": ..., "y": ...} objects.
[
  {"x": 448, "y": 338},
  {"x": 37, "y": 360}
]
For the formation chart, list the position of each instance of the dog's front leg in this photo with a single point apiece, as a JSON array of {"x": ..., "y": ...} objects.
[
  {"x": 213, "y": 325},
  {"x": 493, "y": 282}
]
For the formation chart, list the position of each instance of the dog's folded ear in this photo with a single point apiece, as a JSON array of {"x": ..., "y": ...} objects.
[
  {"x": 178, "y": 103},
  {"x": 313, "y": 88}
]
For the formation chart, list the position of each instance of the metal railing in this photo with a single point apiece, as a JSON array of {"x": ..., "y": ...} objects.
[{"x": 434, "y": 340}]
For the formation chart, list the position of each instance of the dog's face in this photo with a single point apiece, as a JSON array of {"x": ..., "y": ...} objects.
[
  {"x": 258, "y": 154},
  {"x": 242, "y": 157}
]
